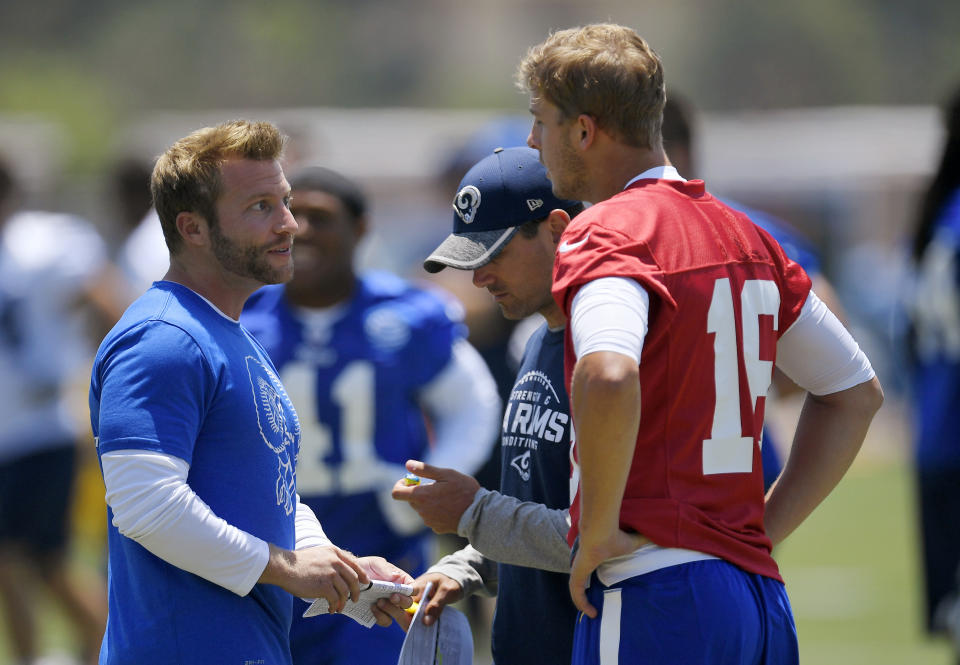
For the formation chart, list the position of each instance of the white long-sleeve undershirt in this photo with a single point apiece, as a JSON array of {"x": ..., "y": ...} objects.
[{"x": 153, "y": 505}]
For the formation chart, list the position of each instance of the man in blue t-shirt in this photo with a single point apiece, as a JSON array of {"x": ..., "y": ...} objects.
[
  {"x": 380, "y": 372},
  {"x": 196, "y": 436},
  {"x": 506, "y": 226}
]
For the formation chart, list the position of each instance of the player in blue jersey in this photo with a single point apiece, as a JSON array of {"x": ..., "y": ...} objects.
[
  {"x": 679, "y": 140},
  {"x": 935, "y": 310},
  {"x": 380, "y": 372},
  {"x": 196, "y": 435},
  {"x": 506, "y": 226}
]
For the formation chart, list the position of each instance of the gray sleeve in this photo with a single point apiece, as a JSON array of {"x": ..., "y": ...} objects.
[
  {"x": 521, "y": 533},
  {"x": 470, "y": 569}
]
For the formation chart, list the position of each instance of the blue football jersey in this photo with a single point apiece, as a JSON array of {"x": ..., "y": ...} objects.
[
  {"x": 535, "y": 466},
  {"x": 355, "y": 381},
  {"x": 936, "y": 324},
  {"x": 354, "y": 373}
]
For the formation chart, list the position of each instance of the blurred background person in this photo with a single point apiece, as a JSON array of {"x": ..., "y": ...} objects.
[
  {"x": 130, "y": 190},
  {"x": 935, "y": 313},
  {"x": 50, "y": 267},
  {"x": 142, "y": 256},
  {"x": 680, "y": 143},
  {"x": 380, "y": 372}
]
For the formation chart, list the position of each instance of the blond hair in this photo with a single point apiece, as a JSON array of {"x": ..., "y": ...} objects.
[
  {"x": 186, "y": 178},
  {"x": 603, "y": 70}
]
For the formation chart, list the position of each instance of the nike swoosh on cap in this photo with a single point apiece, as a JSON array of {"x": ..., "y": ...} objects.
[{"x": 566, "y": 245}]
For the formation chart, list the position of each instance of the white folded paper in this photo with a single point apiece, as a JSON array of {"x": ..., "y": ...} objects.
[{"x": 360, "y": 611}]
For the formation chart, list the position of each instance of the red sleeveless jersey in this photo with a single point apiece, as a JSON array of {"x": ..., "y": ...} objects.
[{"x": 722, "y": 292}]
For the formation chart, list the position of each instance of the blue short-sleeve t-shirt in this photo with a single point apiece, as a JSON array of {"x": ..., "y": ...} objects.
[{"x": 176, "y": 376}]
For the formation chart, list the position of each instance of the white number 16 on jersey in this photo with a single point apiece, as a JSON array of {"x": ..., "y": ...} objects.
[{"x": 727, "y": 450}]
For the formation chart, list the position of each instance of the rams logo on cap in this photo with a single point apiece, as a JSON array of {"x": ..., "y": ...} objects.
[{"x": 466, "y": 203}]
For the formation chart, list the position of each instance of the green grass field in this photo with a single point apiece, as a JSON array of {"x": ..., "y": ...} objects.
[
  {"x": 851, "y": 571},
  {"x": 853, "y": 576}
]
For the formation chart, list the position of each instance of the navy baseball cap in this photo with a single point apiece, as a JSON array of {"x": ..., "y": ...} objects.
[{"x": 498, "y": 194}]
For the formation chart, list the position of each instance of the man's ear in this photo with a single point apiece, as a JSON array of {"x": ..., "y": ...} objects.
[
  {"x": 557, "y": 221},
  {"x": 193, "y": 228},
  {"x": 586, "y": 131}
]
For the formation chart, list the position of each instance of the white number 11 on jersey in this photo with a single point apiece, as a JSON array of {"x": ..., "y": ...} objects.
[{"x": 727, "y": 450}]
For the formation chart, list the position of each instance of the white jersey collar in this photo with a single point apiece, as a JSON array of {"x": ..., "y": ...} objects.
[{"x": 665, "y": 172}]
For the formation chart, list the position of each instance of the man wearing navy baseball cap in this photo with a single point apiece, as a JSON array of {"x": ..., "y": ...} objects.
[{"x": 506, "y": 226}]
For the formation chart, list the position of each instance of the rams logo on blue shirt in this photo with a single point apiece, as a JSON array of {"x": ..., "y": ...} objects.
[{"x": 279, "y": 427}]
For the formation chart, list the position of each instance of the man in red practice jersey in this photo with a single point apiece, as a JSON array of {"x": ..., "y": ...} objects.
[{"x": 679, "y": 308}]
